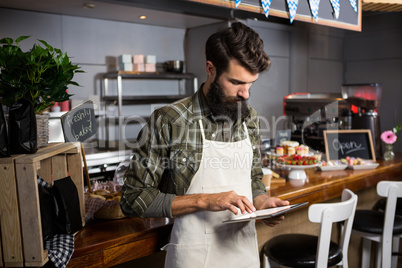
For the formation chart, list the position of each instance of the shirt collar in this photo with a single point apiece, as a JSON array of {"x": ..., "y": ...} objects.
[{"x": 200, "y": 106}]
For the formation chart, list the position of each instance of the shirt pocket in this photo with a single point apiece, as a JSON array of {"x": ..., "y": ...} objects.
[
  {"x": 182, "y": 161},
  {"x": 182, "y": 167}
]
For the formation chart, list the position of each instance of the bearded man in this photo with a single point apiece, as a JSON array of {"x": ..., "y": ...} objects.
[{"x": 198, "y": 161}]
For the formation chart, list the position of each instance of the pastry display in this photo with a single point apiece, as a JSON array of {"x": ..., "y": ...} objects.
[
  {"x": 355, "y": 161},
  {"x": 288, "y": 144},
  {"x": 297, "y": 160}
]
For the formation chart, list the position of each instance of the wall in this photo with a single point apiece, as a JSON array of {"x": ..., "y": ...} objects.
[
  {"x": 304, "y": 58},
  {"x": 94, "y": 44},
  {"x": 375, "y": 55}
]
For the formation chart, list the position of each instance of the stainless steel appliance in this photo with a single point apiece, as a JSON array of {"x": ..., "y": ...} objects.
[
  {"x": 365, "y": 100},
  {"x": 308, "y": 115}
]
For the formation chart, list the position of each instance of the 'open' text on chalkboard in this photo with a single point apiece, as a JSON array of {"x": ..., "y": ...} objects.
[{"x": 347, "y": 147}]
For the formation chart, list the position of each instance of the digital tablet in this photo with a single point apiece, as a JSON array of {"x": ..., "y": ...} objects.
[{"x": 265, "y": 213}]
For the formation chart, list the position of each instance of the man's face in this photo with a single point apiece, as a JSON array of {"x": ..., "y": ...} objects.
[{"x": 228, "y": 93}]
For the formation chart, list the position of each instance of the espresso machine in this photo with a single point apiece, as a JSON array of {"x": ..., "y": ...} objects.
[
  {"x": 365, "y": 101},
  {"x": 309, "y": 114}
]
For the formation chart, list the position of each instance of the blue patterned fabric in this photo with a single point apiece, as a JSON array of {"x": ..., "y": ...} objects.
[
  {"x": 292, "y": 5},
  {"x": 314, "y": 5},
  {"x": 60, "y": 249},
  {"x": 265, "y": 6},
  {"x": 353, "y": 4},
  {"x": 336, "y": 6}
]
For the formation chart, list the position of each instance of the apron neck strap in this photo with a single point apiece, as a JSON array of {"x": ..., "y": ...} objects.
[
  {"x": 203, "y": 134},
  {"x": 245, "y": 130},
  {"x": 202, "y": 129}
]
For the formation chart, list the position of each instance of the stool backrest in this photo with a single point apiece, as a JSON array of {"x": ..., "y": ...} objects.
[
  {"x": 392, "y": 190},
  {"x": 327, "y": 214}
]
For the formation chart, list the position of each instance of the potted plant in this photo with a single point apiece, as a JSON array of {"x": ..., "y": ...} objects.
[{"x": 40, "y": 75}]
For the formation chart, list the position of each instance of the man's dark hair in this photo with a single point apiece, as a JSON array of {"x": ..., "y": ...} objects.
[{"x": 238, "y": 42}]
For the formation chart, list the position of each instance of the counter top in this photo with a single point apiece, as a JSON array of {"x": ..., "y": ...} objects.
[
  {"x": 325, "y": 185},
  {"x": 108, "y": 243}
]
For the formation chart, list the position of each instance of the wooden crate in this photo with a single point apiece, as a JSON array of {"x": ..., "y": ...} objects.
[
  {"x": 11, "y": 240},
  {"x": 53, "y": 162}
]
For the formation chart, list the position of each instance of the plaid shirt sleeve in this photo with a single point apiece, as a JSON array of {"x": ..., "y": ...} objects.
[
  {"x": 253, "y": 126},
  {"x": 142, "y": 178}
]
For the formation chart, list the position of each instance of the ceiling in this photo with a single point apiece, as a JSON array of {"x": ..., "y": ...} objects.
[
  {"x": 113, "y": 10},
  {"x": 382, "y": 5},
  {"x": 169, "y": 13}
]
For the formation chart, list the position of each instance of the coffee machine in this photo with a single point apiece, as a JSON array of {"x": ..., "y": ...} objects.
[
  {"x": 365, "y": 101},
  {"x": 309, "y": 114}
]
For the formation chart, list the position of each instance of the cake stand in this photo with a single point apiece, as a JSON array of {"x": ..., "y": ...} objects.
[{"x": 297, "y": 171}]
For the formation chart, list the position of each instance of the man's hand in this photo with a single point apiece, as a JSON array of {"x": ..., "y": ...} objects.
[
  {"x": 211, "y": 202},
  {"x": 263, "y": 202},
  {"x": 229, "y": 200}
]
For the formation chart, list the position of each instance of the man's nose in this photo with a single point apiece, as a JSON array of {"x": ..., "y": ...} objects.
[{"x": 244, "y": 92}]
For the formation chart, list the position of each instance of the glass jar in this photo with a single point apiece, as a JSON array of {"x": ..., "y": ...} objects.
[{"x": 389, "y": 153}]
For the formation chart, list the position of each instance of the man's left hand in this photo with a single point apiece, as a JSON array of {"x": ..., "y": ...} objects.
[{"x": 263, "y": 202}]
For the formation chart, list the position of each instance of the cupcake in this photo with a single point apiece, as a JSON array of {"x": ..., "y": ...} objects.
[
  {"x": 288, "y": 144},
  {"x": 279, "y": 151},
  {"x": 299, "y": 150},
  {"x": 291, "y": 151}
]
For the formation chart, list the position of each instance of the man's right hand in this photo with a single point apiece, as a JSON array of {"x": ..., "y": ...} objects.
[{"x": 211, "y": 202}]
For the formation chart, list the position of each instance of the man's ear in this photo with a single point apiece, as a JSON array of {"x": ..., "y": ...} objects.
[{"x": 211, "y": 70}]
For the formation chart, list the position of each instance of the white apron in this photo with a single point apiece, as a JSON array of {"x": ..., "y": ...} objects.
[{"x": 200, "y": 239}]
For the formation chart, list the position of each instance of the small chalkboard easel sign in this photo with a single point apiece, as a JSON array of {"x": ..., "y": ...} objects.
[
  {"x": 282, "y": 135},
  {"x": 354, "y": 143},
  {"x": 79, "y": 124}
]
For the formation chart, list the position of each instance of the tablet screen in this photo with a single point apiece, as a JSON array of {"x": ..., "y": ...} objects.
[{"x": 265, "y": 213}]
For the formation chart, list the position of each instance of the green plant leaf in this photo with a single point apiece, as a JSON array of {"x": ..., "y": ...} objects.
[
  {"x": 41, "y": 74},
  {"x": 21, "y": 38},
  {"x": 397, "y": 128},
  {"x": 6, "y": 41}
]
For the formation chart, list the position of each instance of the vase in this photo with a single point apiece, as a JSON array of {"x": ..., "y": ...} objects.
[
  {"x": 389, "y": 153},
  {"x": 42, "y": 126}
]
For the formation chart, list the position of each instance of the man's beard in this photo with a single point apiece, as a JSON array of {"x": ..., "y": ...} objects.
[{"x": 225, "y": 107}]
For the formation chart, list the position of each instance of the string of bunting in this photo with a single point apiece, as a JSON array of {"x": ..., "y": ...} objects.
[{"x": 314, "y": 5}]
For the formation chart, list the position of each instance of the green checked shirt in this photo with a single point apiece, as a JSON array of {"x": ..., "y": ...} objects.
[{"x": 168, "y": 153}]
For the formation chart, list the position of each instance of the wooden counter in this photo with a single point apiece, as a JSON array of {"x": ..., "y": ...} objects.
[{"x": 108, "y": 243}]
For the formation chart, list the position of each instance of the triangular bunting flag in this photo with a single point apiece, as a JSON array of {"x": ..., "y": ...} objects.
[
  {"x": 314, "y": 8},
  {"x": 353, "y": 4},
  {"x": 265, "y": 6},
  {"x": 237, "y": 3},
  {"x": 292, "y": 4},
  {"x": 336, "y": 6}
]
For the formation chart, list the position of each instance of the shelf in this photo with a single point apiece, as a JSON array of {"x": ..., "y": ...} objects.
[
  {"x": 146, "y": 99},
  {"x": 187, "y": 85},
  {"x": 143, "y": 75}
]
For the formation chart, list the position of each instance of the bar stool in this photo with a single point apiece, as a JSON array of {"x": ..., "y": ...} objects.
[
  {"x": 302, "y": 250},
  {"x": 383, "y": 227},
  {"x": 380, "y": 205}
]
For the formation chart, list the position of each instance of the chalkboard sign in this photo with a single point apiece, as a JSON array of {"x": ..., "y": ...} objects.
[
  {"x": 353, "y": 143},
  {"x": 79, "y": 124},
  {"x": 282, "y": 135}
]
